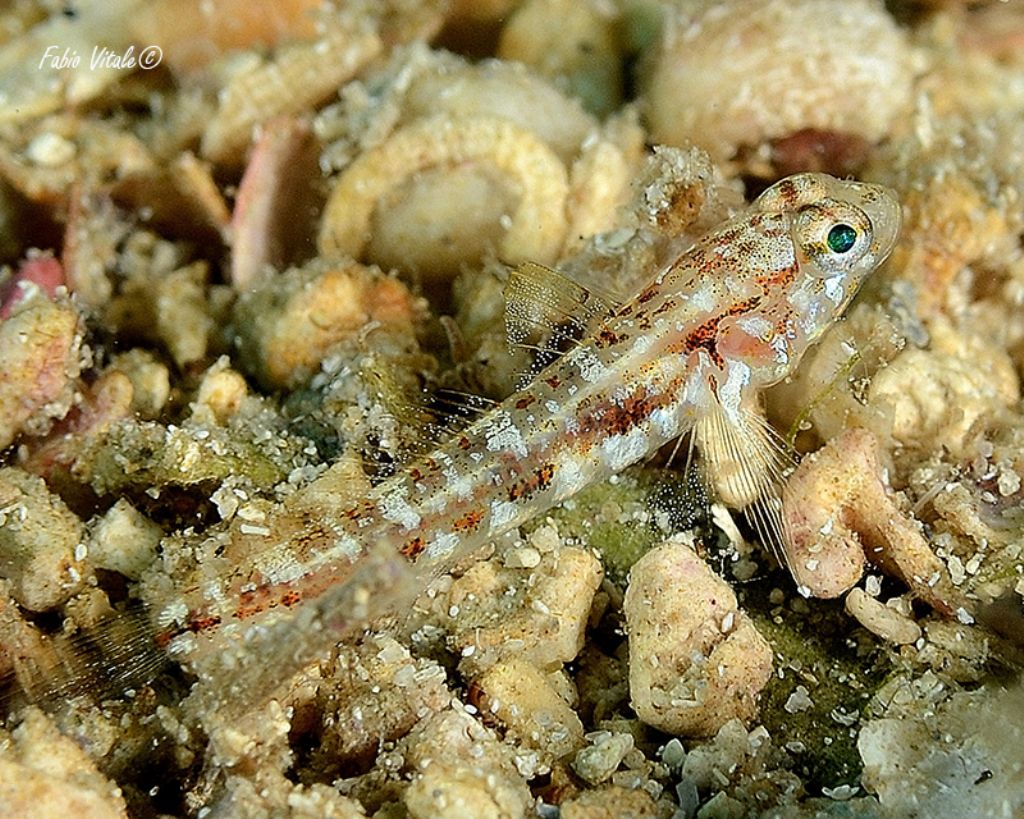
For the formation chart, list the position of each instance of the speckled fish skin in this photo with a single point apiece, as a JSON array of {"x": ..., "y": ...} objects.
[{"x": 732, "y": 315}]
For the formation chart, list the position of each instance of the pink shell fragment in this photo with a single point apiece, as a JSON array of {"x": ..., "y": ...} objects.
[
  {"x": 277, "y": 205},
  {"x": 42, "y": 271}
]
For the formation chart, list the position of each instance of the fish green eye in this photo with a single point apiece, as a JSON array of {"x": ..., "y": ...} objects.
[{"x": 841, "y": 238}]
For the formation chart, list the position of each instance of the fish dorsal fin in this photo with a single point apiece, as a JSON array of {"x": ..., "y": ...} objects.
[
  {"x": 746, "y": 462},
  {"x": 547, "y": 310},
  {"x": 438, "y": 416},
  {"x": 459, "y": 404}
]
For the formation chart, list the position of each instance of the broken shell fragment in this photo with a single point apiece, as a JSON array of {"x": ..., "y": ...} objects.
[
  {"x": 838, "y": 66},
  {"x": 462, "y": 769},
  {"x": 180, "y": 199},
  {"x": 840, "y": 511},
  {"x": 272, "y": 223},
  {"x": 880, "y": 619},
  {"x": 39, "y": 540},
  {"x": 299, "y": 76},
  {"x": 39, "y": 362},
  {"x": 537, "y": 615},
  {"x": 695, "y": 659},
  {"x": 287, "y": 326},
  {"x": 38, "y": 274},
  {"x": 533, "y": 230},
  {"x": 521, "y": 696}
]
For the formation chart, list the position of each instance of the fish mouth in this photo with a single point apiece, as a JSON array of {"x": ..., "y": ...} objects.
[{"x": 884, "y": 212}]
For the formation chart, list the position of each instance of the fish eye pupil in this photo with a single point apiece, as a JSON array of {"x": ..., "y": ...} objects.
[{"x": 841, "y": 238}]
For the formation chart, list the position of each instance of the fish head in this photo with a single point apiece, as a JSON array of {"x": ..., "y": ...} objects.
[{"x": 841, "y": 232}]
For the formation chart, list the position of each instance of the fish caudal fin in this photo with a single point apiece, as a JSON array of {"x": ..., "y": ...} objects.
[{"x": 116, "y": 654}]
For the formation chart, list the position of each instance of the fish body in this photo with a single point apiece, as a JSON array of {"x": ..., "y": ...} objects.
[{"x": 731, "y": 315}]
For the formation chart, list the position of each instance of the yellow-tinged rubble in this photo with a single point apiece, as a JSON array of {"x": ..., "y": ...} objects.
[{"x": 240, "y": 286}]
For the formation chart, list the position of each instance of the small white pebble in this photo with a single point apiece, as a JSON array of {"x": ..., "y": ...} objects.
[
  {"x": 251, "y": 513},
  {"x": 673, "y": 754},
  {"x": 545, "y": 539},
  {"x": 799, "y": 700},
  {"x": 841, "y": 793},
  {"x": 596, "y": 763},
  {"x": 1008, "y": 483},
  {"x": 50, "y": 150},
  {"x": 524, "y": 557},
  {"x": 956, "y": 572}
]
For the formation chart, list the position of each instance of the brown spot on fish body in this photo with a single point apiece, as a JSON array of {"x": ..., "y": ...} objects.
[
  {"x": 788, "y": 191},
  {"x": 647, "y": 294},
  {"x": 202, "y": 622},
  {"x": 619, "y": 418},
  {"x": 361, "y": 510},
  {"x": 770, "y": 282},
  {"x": 414, "y": 547},
  {"x": 606, "y": 338},
  {"x": 469, "y": 521},
  {"x": 538, "y": 481}
]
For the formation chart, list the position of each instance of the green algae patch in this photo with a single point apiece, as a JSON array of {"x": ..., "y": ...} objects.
[
  {"x": 825, "y": 675},
  {"x": 134, "y": 455},
  {"x": 628, "y": 515}
]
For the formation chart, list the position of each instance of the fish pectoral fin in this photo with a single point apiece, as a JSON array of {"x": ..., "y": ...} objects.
[
  {"x": 746, "y": 463},
  {"x": 547, "y": 310}
]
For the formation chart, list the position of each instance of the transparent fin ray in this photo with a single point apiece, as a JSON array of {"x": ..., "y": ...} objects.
[
  {"x": 746, "y": 462},
  {"x": 546, "y": 309},
  {"x": 114, "y": 655}
]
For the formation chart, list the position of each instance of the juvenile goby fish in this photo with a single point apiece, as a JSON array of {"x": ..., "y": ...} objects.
[{"x": 689, "y": 353}]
